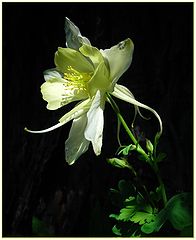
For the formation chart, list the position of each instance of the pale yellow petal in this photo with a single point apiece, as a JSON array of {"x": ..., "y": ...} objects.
[
  {"x": 100, "y": 80},
  {"x": 66, "y": 57},
  {"x": 93, "y": 53},
  {"x": 58, "y": 92}
]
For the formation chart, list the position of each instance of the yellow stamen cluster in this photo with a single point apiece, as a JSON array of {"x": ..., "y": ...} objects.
[
  {"x": 74, "y": 76},
  {"x": 75, "y": 83}
]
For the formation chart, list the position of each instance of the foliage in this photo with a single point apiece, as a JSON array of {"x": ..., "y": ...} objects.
[
  {"x": 139, "y": 217},
  {"x": 178, "y": 211},
  {"x": 119, "y": 163},
  {"x": 134, "y": 212},
  {"x": 125, "y": 150}
]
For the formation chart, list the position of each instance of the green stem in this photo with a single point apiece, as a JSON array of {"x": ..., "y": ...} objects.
[{"x": 139, "y": 149}]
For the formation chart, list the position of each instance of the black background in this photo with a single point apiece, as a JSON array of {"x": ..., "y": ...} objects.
[{"x": 74, "y": 200}]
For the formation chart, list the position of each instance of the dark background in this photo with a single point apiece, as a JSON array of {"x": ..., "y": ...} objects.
[{"x": 74, "y": 200}]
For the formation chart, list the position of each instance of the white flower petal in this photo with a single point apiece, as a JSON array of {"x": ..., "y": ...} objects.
[
  {"x": 76, "y": 144},
  {"x": 119, "y": 58},
  {"x": 94, "y": 128},
  {"x": 123, "y": 93},
  {"x": 74, "y": 39},
  {"x": 58, "y": 93},
  {"x": 52, "y": 73},
  {"x": 52, "y": 92}
]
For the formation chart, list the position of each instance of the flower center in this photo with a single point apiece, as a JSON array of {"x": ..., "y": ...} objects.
[
  {"x": 75, "y": 85},
  {"x": 75, "y": 78}
]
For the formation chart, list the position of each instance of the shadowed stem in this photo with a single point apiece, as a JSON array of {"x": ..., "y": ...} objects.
[{"x": 163, "y": 192}]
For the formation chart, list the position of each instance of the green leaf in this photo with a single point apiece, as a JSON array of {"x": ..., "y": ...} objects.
[
  {"x": 125, "y": 150},
  {"x": 115, "y": 216},
  {"x": 149, "y": 146},
  {"x": 119, "y": 163},
  {"x": 135, "y": 211},
  {"x": 142, "y": 217},
  {"x": 127, "y": 213},
  {"x": 178, "y": 210},
  {"x": 149, "y": 227},
  {"x": 126, "y": 229},
  {"x": 130, "y": 201},
  {"x": 156, "y": 139},
  {"x": 159, "y": 220},
  {"x": 147, "y": 208},
  {"x": 180, "y": 214},
  {"x": 116, "y": 230}
]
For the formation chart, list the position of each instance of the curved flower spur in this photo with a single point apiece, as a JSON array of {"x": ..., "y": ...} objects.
[{"x": 86, "y": 74}]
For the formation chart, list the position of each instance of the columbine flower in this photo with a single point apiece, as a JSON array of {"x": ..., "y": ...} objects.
[{"x": 84, "y": 73}]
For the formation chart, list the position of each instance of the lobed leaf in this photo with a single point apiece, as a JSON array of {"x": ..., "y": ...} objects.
[
  {"x": 142, "y": 217},
  {"x": 178, "y": 211},
  {"x": 127, "y": 213}
]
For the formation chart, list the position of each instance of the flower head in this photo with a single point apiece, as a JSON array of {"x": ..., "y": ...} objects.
[{"x": 84, "y": 73}]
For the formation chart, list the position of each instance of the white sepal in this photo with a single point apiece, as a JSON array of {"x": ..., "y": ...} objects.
[
  {"x": 94, "y": 128},
  {"x": 76, "y": 144},
  {"x": 52, "y": 73},
  {"x": 119, "y": 58},
  {"x": 123, "y": 93},
  {"x": 74, "y": 39},
  {"x": 77, "y": 111}
]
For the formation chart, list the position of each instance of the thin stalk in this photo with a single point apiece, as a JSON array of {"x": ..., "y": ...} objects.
[{"x": 139, "y": 149}]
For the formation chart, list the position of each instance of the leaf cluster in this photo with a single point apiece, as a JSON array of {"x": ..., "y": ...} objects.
[
  {"x": 134, "y": 210},
  {"x": 178, "y": 211},
  {"x": 138, "y": 217}
]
